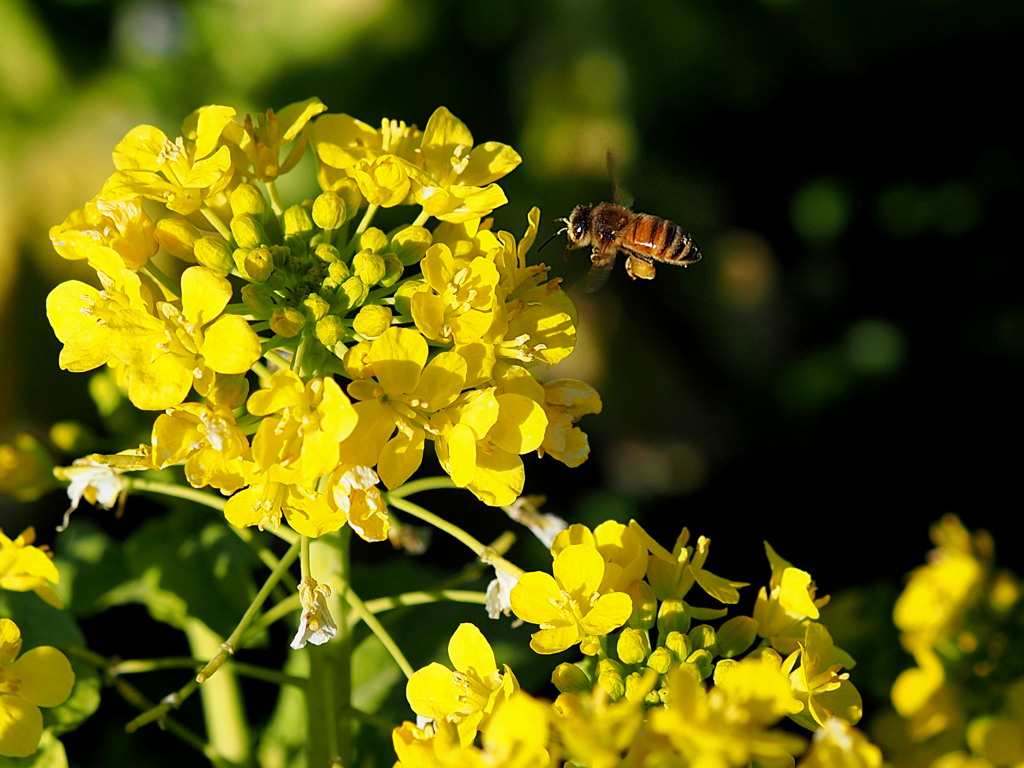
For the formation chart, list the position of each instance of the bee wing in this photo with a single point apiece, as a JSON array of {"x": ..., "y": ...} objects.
[
  {"x": 619, "y": 195},
  {"x": 598, "y": 275}
]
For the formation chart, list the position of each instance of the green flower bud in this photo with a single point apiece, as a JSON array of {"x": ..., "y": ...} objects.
[
  {"x": 661, "y": 660},
  {"x": 297, "y": 221},
  {"x": 329, "y": 211},
  {"x": 177, "y": 237},
  {"x": 287, "y": 322},
  {"x": 254, "y": 264},
  {"x": 703, "y": 661},
  {"x": 355, "y": 291},
  {"x": 246, "y": 199},
  {"x": 679, "y": 644},
  {"x": 330, "y": 330},
  {"x": 568, "y": 678},
  {"x": 411, "y": 243},
  {"x": 327, "y": 253},
  {"x": 348, "y": 191},
  {"x": 215, "y": 253},
  {"x": 672, "y": 616},
  {"x": 372, "y": 320},
  {"x": 369, "y": 266},
  {"x": 702, "y": 636},
  {"x": 633, "y": 646},
  {"x": 230, "y": 391},
  {"x": 393, "y": 269},
  {"x": 247, "y": 231},
  {"x": 609, "y": 678},
  {"x": 316, "y": 306}
]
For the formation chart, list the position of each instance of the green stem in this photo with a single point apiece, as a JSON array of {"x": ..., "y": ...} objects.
[
  {"x": 179, "y": 491},
  {"x": 486, "y": 554},
  {"x": 231, "y": 644},
  {"x": 366, "y": 615},
  {"x": 157, "y": 274},
  {"x": 222, "y": 229},
  {"x": 382, "y": 604},
  {"x": 421, "y": 219},
  {"x": 275, "y": 197},
  {"x": 364, "y": 223},
  {"x": 422, "y": 484},
  {"x": 223, "y": 712}
]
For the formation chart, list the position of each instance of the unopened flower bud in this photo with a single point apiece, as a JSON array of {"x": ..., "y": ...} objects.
[
  {"x": 704, "y": 662},
  {"x": 329, "y": 211},
  {"x": 660, "y": 660},
  {"x": 330, "y": 330},
  {"x": 679, "y": 644},
  {"x": 372, "y": 320},
  {"x": 215, "y": 253},
  {"x": 177, "y": 237},
  {"x": 297, "y": 221},
  {"x": 633, "y": 646},
  {"x": 355, "y": 292},
  {"x": 672, "y": 616},
  {"x": 609, "y": 677},
  {"x": 393, "y": 269},
  {"x": 404, "y": 294},
  {"x": 339, "y": 271},
  {"x": 316, "y": 305},
  {"x": 645, "y": 606},
  {"x": 369, "y": 266},
  {"x": 258, "y": 298},
  {"x": 373, "y": 239},
  {"x": 255, "y": 264},
  {"x": 327, "y": 253},
  {"x": 247, "y": 231},
  {"x": 246, "y": 199},
  {"x": 287, "y": 322},
  {"x": 568, "y": 678},
  {"x": 639, "y": 685},
  {"x": 702, "y": 636},
  {"x": 411, "y": 243}
]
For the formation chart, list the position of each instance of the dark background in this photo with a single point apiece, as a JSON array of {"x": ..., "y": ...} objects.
[{"x": 842, "y": 367}]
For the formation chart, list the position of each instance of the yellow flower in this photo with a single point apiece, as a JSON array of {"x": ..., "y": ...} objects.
[
  {"x": 460, "y": 177},
  {"x": 673, "y": 574},
  {"x": 207, "y": 440},
  {"x": 24, "y": 567},
  {"x": 309, "y": 420},
  {"x": 784, "y": 609},
  {"x": 727, "y": 725},
  {"x": 40, "y": 677},
  {"x": 278, "y": 493},
  {"x": 837, "y": 744},
  {"x": 180, "y": 173},
  {"x": 568, "y": 606},
  {"x": 595, "y": 731},
  {"x": 462, "y": 305},
  {"x": 467, "y": 694},
  {"x": 818, "y": 683},
  {"x": 353, "y": 492},
  {"x": 394, "y": 407},
  {"x": 566, "y": 401},
  {"x": 108, "y": 234},
  {"x": 261, "y": 140}
]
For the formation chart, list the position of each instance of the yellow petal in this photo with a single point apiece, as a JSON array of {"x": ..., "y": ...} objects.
[{"x": 230, "y": 345}]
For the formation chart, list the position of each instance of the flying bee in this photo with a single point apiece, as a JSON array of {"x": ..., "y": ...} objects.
[{"x": 609, "y": 228}]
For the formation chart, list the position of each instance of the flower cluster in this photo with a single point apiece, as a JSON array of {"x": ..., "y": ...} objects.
[
  {"x": 699, "y": 695},
  {"x": 959, "y": 618},
  {"x": 362, "y": 345}
]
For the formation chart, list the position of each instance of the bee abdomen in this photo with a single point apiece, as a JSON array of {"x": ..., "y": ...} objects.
[{"x": 663, "y": 240}]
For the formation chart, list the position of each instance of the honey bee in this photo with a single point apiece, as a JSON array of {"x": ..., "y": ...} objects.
[{"x": 609, "y": 228}]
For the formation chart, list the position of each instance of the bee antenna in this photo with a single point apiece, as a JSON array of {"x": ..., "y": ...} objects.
[{"x": 556, "y": 234}]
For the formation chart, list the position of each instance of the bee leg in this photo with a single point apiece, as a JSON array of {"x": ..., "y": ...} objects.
[{"x": 639, "y": 268}]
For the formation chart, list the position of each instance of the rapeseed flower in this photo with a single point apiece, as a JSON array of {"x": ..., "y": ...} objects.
[
  {"x": 24, "y": 567},
  {"x": 40, "y": 677}
]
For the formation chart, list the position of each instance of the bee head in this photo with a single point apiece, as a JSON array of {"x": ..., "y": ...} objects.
[{"x": 578, "y": 225}]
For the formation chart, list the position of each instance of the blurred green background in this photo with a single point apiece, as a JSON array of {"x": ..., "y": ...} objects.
[{"x": 842, "y": 367}]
